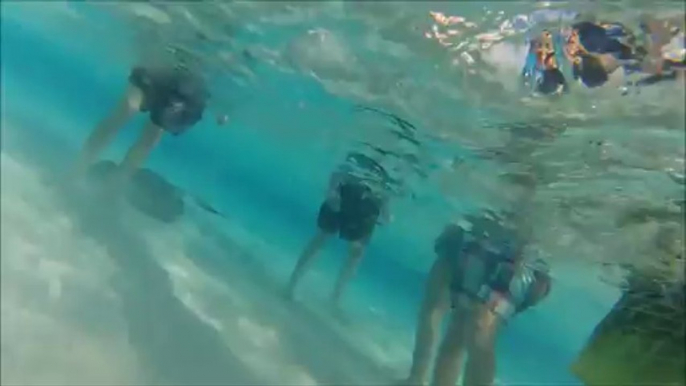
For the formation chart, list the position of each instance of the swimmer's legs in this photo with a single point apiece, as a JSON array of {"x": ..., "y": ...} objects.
[
  {"x": 480, "y": 368},
  {"x": 433, "y": 309},
  {"x": 140, "y": 150},
  {"x": 355, "y": 253},
  {"x": 305, "y": 261},
  {"x": 452, "y": 350},
  {"x": 104, "y": 132}
]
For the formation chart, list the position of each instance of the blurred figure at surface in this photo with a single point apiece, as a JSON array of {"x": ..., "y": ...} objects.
[
  {"x": 663, "y": 42},
  {"x": 655, "y": 53},
  {"x": 587, "y": 51},
  {"x": 481, "y": 277},
  {"x": 641, "y": 340},
  {"x": 565, "y": 49},
  {"x": 356, "y": 201},
  {"x": 543, "y": 71},
  {"x": 591, "y": 52},
  {"x": 175, "y": 99}
]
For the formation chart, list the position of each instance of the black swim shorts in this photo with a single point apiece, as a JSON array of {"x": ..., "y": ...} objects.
[
  {"x": 358, "y": 214},
  {"x": 552, "y": 82},
  {"x": 175, "y": 98}
]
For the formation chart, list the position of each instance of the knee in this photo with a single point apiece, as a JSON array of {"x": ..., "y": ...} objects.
[
  {"x": 483, "y": 337},
  {"x": 482, "y": 342},
  {"x": 453, "y": 344},
  {"x": 431, "y": 315}
]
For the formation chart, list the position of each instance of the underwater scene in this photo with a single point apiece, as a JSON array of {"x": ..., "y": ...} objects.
[{"x": 342, "y": 193}]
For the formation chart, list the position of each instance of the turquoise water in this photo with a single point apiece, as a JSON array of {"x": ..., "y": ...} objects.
[{"x": 195, "y": 302}]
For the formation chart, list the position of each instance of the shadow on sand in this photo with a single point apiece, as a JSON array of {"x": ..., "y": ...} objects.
[
  {"x": 310, "y": 339},
  {"x": 174, "y": 346}
]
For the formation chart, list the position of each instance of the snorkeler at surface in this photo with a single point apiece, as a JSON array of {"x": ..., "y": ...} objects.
[
  {"x": 481, "y": 274},
  {"x": 664, "y": 42},
  {"x": 596, "y": 50},
  {"x": 355, "y": 203},
  {"x": 543, "y": 72},
  {"x": 548, "y": 54},
  {"x": 175, "y": 99}
]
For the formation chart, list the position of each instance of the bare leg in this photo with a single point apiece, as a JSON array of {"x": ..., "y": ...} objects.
[
  {"x": 140, "y": 150},
  {"x": 480, "y": 369},
  {"x": 451, "y": 352},
  {"x": 355, "y": 253},
  {"x": 305, "y": 261},
  {"x": 135, "y": 157},
  {"x": 104, "y": 132},
  {"x": 434, "y": 306}
]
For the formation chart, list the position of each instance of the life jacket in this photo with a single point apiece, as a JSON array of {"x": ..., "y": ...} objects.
[
  {"x": 537, "y": 290},
  {"x": 499, "y": 279}
]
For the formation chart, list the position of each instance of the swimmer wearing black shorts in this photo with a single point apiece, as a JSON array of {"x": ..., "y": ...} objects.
[
  {"x": 352, "y": 210},
  {"x": 175, "y": 99},
  {"x": 357, "y": 216}
]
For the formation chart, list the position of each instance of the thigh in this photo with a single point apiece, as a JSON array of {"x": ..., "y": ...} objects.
[
  {"x": 151, "y": 135},
  {"x": 437, "y": 289},
  {"x": 328, "y": 220},
  {"x": 358, "y": 217},
  {"x": 484, "y": 326},
  {"x": 134, "y": 99},
  {"x": 460, "y": 328}
]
